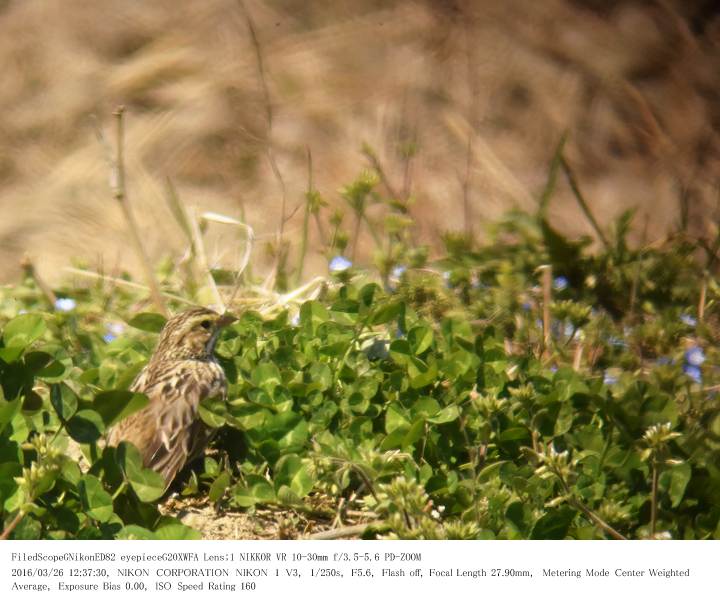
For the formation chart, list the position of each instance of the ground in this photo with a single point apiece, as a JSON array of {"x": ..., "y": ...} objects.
[{"x": 215, "y": 522}]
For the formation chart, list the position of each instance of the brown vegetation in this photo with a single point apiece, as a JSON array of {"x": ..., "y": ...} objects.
[{"x": 634, "y": 83}]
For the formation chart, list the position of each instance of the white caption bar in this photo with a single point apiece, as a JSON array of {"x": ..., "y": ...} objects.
[{"x": 354, "y": 571}]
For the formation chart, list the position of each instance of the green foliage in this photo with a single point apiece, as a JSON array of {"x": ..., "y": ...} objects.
[{"x": 423, "y": 396}]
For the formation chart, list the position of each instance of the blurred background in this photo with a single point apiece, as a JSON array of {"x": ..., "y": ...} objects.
[{"x": 460, "y": 101}]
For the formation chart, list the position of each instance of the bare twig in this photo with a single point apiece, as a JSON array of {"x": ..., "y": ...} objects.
[
  {"x": 320, "y": 230},
  {"x": 27, "y": 265},
  {"x": 552, "y": 177},
  {"x": 249, "y": 242},
  {"x": 638, "y": 268},
  {"x": 346, "y": 532},
  {"x": 268, "y": 113},
  {"x": 474, "y": 461},
  {"x": 572, "y": 180},
  {"x": 703, "y": 296},
  {"x": 117, "y": 182},
  {"x": 12, "y": 526},
  {"x": 306, "y": 219},
  {"x": 579, "y": 505},
  {"x": 202, "y": 260},
  {"x": 360, "y": 472},
  {"x": 356, "y": 235},
  {"x": 374, "y": 161},
  {"x": 467, "y": 178},
  {"x": 597, "y": 521},
  {"x": 274, "y": 301},
  {"x": 577, "y": 356},
  {"x": 654, "y": 497},
  {"x": 408, "y": 147},
  {"x": 178, "y": 210},
  {"x": 547, "y": 294},
  {"x": 123, "y": 283},
  {"x": 472, "y": 119}
]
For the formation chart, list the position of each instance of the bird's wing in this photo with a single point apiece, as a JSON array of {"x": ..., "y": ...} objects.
[
  {"x": 168, "y": 431},
  {"x": 139, "y": 383}
]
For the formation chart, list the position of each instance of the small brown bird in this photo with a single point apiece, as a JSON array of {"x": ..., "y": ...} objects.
[{"x": 181, "y": 373}]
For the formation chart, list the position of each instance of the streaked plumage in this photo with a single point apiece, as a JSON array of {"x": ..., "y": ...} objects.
[{"x": 181, "y": 373}]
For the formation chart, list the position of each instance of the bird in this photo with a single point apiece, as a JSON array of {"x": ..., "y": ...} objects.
[{"x": 181, "y": 373}]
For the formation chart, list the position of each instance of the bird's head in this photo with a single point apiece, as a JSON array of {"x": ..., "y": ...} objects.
[{"x": 191, "y": 334}]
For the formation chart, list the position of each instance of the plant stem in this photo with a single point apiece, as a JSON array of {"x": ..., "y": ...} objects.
[
  {"x": 599, "y": 522},
  {"x": 202, "y": 260},
  {"x": 260, "y": 62},
  {"x": 119, "y": 490},
  {"x": 473, "y": 90},
  {"x": 577, "y": 356},
  {"x": 638, "y": 268},
  {"x": 372, "y": 230},
  {"x": 605, "y": 449},
  {"x": 372, "y": 157},
  {"x": 356, "y": 235},
  {"x": 472, "y": 454},
  {"x": 12, "y": 526},
  {"x": 27, "y": 265},
  {"x": 467, "y": 214},
  {"x": 552, "y": 177},
  {"x": 360, "y": 472},
  {"x": 654, "y": 496},
  {"x": 596, "y": 520},
  {"x": 123, "y": 282},
  {"x": 306, "y": 221},
  {"x": 178, "y": 211},
  {"x": 581, "y": 200},
  {"x": 345, "y": 532},
  {"x": 547, "y": 295},
  {"x": 703, "y": 296},
  {"x": 118, "y": 185},
  {"x": 320, "y": 229}
]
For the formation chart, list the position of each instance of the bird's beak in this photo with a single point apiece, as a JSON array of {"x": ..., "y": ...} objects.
[{"x": 225, "y": 319}]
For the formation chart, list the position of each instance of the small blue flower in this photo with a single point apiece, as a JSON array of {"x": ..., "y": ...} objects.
[
  {"x": 396, "y": 275},
  {"x": 115, "y": 328},
  {"x": 562, "y": 328},
  {"x": 693, "y": 372},
  {"x": 65, "y": 304},
  {"x": 339, "y": 264},
  {"x": 447, "y": 279},
  {"x": 689, "y": 320},
  {"x": 398, "y": 272},
  {"x": 609, "y": 379},
  {"x": 695, "y": 356},
  {"x": 295, "y": 320},
  {"x": 560, "y": 283},
  {"x": 617, "y": 342},
  {"x": 526, "y": 306}
]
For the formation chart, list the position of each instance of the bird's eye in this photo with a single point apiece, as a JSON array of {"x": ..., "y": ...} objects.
[{"x": 205, "y": 324}]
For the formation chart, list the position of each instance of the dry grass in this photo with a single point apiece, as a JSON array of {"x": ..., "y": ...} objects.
[
  {"x": 260, "y": 523},
  {"x": 634, "y": 83}
]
